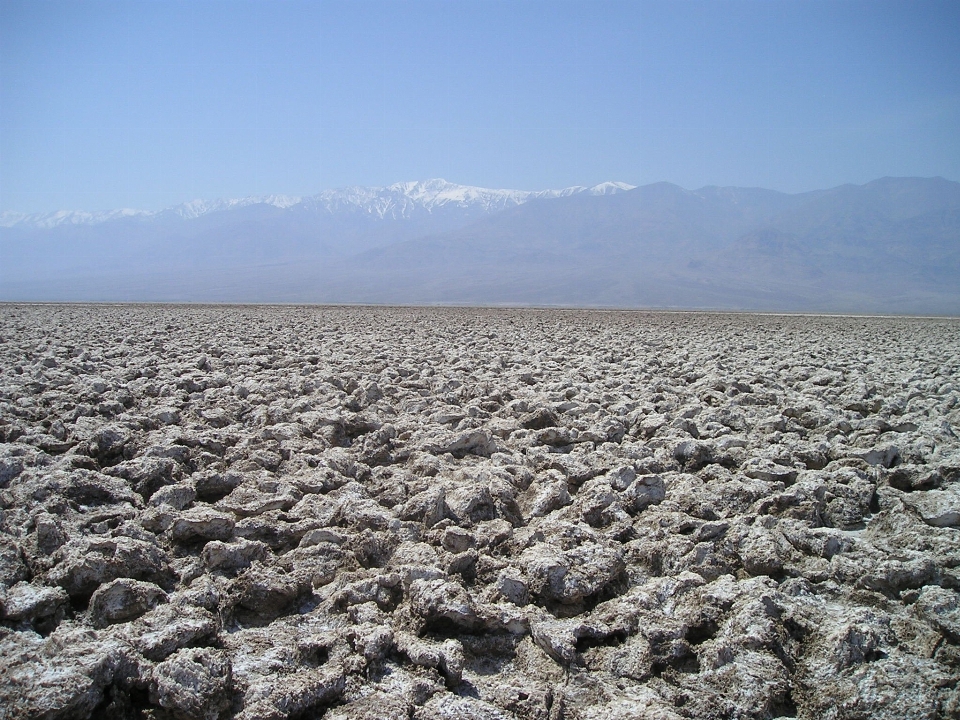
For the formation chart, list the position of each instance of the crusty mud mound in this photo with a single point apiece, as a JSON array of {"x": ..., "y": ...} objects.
[{"x": 278, "y": 512}]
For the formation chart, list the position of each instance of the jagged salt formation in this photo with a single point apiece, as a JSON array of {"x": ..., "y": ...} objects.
[{"x": 273, "y": 512}]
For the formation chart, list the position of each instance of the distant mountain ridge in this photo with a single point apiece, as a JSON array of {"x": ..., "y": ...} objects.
[
  {"x": 889, "y": 246},
  {"x": 397, "y": 200}
]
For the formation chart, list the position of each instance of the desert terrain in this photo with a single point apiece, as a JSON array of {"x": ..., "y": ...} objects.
[{"x": 260, "y": 512}]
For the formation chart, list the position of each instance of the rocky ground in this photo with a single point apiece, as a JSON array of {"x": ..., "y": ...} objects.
[{"x": 281, "y": 512}]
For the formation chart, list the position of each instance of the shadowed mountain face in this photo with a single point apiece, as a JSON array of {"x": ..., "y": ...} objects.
[{"x": 892, "y": 245}]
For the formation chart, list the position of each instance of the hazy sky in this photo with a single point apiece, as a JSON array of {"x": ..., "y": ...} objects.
[{"x": 147, "y": 104}]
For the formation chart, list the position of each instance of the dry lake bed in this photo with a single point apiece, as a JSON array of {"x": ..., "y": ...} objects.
[{"x": 358, "y": 512}]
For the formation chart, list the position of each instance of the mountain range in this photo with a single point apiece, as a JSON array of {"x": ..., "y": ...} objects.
[
  {"x": 889, "y": 246},
  {"x": 400, "y": 200}
]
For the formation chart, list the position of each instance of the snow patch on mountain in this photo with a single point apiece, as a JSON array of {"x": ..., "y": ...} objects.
[
  {"x": 400, "y": 200},
  {"x": 68, "y": 217},
  {"x": 404, "y": 199},
  {"x": 196, "y": 208}
]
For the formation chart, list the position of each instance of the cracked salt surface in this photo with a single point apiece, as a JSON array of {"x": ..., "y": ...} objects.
[{"x": 357, "y": 512}]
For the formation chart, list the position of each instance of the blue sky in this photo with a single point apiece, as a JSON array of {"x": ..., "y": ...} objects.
[{"x": 147, "y": 104}]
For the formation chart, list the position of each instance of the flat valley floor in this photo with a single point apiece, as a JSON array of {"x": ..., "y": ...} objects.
[{"x": 266, "y": 512}]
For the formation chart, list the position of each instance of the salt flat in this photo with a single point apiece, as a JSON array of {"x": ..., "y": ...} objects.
[{"x": 360, "y": 512}]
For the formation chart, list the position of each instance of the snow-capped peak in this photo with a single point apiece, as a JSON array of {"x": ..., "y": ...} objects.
[
  {"x": 196, "y": 208},
  {"x": 399, "y": 200},
  {"x": 67, "y": 217},
  {"x": 609, "y": 188}
]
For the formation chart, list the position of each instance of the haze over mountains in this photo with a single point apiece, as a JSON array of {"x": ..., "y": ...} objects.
[{"x": 891, "y": 246}]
